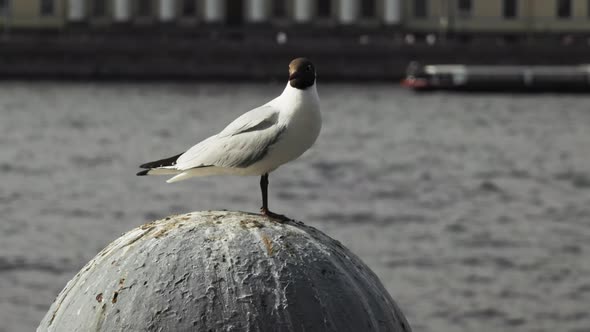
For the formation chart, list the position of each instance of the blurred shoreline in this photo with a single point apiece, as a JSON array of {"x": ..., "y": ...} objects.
[{"x": 260, "y": 53}]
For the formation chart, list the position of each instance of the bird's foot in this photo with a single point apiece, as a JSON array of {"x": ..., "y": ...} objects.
[{"x": 275, "y": 216}]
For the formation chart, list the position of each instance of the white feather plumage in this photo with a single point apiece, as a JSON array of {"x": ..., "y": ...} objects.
[{"x": 257, "y": 142}]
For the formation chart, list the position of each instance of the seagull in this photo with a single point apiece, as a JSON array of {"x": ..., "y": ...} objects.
[{"x": 259, "y": 141}]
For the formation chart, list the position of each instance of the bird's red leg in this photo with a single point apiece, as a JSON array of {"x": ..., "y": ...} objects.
[{"x": 264, "y": 209}]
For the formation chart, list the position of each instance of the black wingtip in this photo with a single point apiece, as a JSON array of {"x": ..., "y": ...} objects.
[
  {"x": 162, "y": 162},
  {"x": 142, "y": 173}
]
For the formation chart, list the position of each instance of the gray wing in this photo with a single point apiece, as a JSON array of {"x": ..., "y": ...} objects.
[{"x": 242, "y": 143}]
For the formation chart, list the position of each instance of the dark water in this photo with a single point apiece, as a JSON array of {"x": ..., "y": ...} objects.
[{"x": 474, "y": 210}]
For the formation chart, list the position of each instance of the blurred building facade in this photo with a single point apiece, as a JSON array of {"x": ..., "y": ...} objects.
[
  {"x": 438, "y": 16},
  {"x": 52, "y": 13},
  {"x": 497, "y": 16},
  {"x": 173, "y": 38},
  {"x": 33, "y": 13}
]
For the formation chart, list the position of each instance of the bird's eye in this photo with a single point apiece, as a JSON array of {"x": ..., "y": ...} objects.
[{"x": 308, "y": 67}]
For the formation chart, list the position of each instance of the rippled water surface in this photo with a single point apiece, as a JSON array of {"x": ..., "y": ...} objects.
[{"x": 474, "y": 210}]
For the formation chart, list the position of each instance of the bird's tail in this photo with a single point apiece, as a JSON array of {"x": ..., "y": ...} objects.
[
  {"x": 167, "y": 166},
  {"x": 158, "y": 171},
  {"x": 180, "y": 177},
  {"x": 160, "y": 167}
]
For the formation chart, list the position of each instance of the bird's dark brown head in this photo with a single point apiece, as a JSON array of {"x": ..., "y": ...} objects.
[{"x": 301, "y": 73}]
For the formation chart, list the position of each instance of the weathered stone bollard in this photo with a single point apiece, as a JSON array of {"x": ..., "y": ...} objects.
[{"x": 224, "y": 271}]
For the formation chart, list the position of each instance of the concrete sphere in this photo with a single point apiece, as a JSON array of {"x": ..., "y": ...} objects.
[{"x": 224, "y": 271}]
